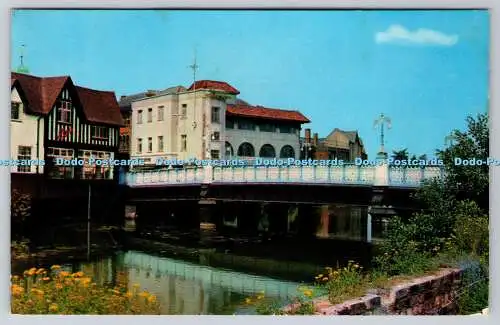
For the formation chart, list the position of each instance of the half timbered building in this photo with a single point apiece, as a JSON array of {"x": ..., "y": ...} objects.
[{"x": 52, "y": 118}]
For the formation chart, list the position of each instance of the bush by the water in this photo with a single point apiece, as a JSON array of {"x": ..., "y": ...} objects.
[{"x": 40, "y": 291}]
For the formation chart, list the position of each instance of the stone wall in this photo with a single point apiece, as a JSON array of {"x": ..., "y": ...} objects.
[{"x": 429, "y": 295}]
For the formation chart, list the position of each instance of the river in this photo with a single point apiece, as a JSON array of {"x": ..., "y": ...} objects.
[{"x": 189, "y": 286}]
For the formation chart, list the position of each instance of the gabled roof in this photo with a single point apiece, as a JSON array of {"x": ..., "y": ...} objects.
[
  {"x": 41, "y": 95},
  {"x": 351, "y": 135},
  {"x": 265, "y": 113},
  {"x": 99, "y": 106},
  {"x": 214, "y": 85}
]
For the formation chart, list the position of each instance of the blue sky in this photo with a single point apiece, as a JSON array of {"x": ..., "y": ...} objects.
[{"x": 426, "y": 70}]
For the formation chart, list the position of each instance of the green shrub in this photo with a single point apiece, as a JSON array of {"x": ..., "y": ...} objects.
[
  {"x": 474, "y": 293},
  {"x": 471, "y": 230}
]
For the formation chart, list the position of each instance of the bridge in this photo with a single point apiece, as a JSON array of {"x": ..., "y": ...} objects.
[
  {"x": 249, "y": 192},
  {"x": 381, "y": 175}
]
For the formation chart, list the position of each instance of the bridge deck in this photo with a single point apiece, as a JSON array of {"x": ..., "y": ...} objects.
[{"x": 383, "y": 175}]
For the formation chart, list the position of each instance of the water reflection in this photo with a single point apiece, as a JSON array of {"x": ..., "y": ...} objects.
[{"x": 184, "y": 287}]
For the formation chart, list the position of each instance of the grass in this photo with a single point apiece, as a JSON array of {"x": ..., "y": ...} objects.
[{"x": 40, "y": 291}]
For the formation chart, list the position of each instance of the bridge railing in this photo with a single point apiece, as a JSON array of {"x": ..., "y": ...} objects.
[
  {"x": 382, "y": 175},
  {"x": 347, "y": 174},
  {"x": 413, "y": 176}
]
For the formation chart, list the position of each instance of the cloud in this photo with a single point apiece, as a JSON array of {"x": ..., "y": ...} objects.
[{"x": 399, "y": 34}]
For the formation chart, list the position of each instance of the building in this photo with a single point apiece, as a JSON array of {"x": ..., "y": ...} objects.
[
  {"x": 125, "y": 104},
  {"x": 52, "y": 118},
  {"x": 343, "y": 145},
  {"x": 208, "y": 121}
]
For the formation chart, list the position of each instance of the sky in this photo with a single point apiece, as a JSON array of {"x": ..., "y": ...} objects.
[{"x": 425, "y": 70}]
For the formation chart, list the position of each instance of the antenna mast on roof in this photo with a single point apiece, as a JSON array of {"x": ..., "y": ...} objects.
[
  {"x": 194, "y": 67},
  {"x": 21, "y": 68}
]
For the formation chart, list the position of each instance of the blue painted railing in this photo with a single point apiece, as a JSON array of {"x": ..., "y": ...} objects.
[{"x": 348, "y": 175}]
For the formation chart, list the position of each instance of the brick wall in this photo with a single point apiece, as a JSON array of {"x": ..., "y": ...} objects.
[{"x": 429, "y": 295}]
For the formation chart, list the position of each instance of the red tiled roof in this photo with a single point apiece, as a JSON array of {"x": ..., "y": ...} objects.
[
  {"x": 41, "y": 94},
  {"x": 100, "y": 106},
  {"x": 266, "y": 113},
  {"x": 214, "y": 85}
]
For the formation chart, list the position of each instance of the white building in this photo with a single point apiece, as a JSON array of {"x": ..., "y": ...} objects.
[
  {"x": 52, "y": 118},
  {"x": 208, "y": 121}
]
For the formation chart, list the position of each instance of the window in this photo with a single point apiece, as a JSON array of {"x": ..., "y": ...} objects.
[
  {"x": 216, "y": 136},
  {"x": 184, "y": 111},
  {"x": 14, "y": 111},
  {"x": 267, "y": 151},
  {"x": 160, "y": 113},
  {"x": 214, "y": 154},
  {"x": 139, "y": 145},
  {"x": 24, "y": 153},
  {"x": 267, "y": 127},
  {"x": 183, "y": 142},
  {"x": 139, "y": 116},
  {"x": 93, "y": 171},
  {"x": 160, "y": 143},
  {"x": 287, "y": 152},
  {"x": 229, "y": 124},
  {"x": 246, "y": 125},
  {"x": 246, "y": 150},
  {"x": 286, "y": 129},
  {"x": 150, "y": 115},
  {"x": 100, "y": 132},
  {"x": 56, "y": 171},
  {"x": 215, "y": 114},
  {"x": 150, "y": 144},
  {"x": 64, "y": 111}
]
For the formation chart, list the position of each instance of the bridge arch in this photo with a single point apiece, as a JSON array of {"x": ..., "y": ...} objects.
[
  {"x": 229, "y": 149},
  {"x": 246, "y": 150},
  {"x": 287, "y": 152},
  {"x": 267, "y": 151}
]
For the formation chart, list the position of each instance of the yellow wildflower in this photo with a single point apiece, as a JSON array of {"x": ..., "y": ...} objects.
[
  {"x": 325, "y": 279},
  {"x": 308, "y": 293},
  {"x": 64, "y": 274},
  {"x": 53, "y": 307},
  {"x": 40, "y": 271},
  {"x": 248, "y": 300},
  {"x": 78, "y": 274},
  {"x": 144, "y": 294},
  {"x": 58, "y": 286},
  {"x": 152, "y": 298},
  {"x": 128, "y": 294},
  {"x": 55, "y": 267},
  {"x": 46, "y": 278}
]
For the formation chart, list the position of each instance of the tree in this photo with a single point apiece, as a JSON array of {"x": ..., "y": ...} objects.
[
  {"x": 400, "y": 155},
  {"x": 469, "y": 181},
  {"x": 452, "y": 208}
]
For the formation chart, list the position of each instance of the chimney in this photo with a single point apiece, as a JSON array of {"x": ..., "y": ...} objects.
[
  {"x": 122, "y": 97},
  {"x": 308, "y": 136},
  {"x": 315, "y": 139},
  {"x": 150, "y": 93}
]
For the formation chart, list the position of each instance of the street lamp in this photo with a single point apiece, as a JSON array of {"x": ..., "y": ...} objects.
[
  {"x": 306, "y": 147},
  {"x": 382, "y": 120}
]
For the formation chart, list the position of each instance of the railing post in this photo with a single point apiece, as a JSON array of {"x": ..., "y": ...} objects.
[
  {"x": 208, "y": 174},
  {"x": 381, "y": 174}
]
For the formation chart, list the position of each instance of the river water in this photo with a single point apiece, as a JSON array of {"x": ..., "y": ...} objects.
[{"x": 188, "y": 286}]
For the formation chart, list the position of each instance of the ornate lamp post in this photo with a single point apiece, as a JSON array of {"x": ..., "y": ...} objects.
[
  {"x": 381, "y": 121},
  {"x": 306, "y": 148}
]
